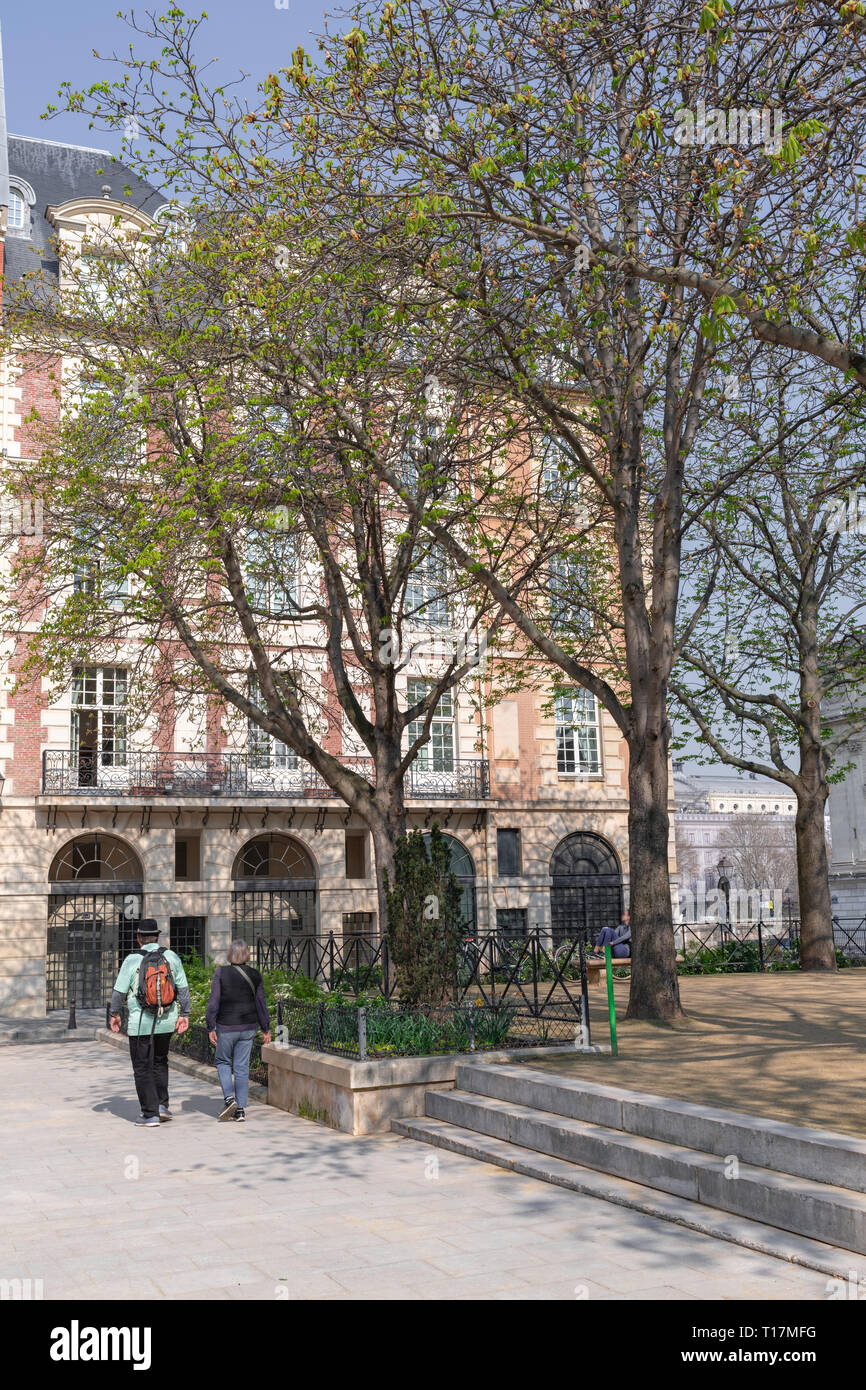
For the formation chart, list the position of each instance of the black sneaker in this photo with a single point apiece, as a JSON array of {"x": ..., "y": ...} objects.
[
  {"x": 231, "y": 1106},
  {"x": 239, "y": 1115}
]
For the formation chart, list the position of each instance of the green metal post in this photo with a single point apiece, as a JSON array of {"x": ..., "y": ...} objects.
[{"x": 611, "y": 1007}]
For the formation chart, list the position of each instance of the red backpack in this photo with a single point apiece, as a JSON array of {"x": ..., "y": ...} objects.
[{"x": 156, "y": 990}]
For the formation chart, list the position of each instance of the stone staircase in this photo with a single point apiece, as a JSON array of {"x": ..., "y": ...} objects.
[{"x": 788, "y": 1191}]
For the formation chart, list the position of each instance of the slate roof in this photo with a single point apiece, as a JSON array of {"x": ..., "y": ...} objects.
[{"x": 58, "y": 173}]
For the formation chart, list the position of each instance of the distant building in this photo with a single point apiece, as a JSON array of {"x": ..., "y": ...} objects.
[
  {"x": 735, "y": 845},
  {"x": 848, "y": 819}
]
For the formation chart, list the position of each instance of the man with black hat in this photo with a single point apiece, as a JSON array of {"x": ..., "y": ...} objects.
[{"x": 150, "y": 1029}]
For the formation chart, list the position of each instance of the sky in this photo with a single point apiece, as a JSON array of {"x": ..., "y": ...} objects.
[{"x": 47, "y": 42}]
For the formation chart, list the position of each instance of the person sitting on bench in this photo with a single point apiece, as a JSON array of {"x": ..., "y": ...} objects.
[{"x": 617, "y": 938}]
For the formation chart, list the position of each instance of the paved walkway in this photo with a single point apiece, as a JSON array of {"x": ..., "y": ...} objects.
[
  {"x": 283, "y": 1208},
  {"x": 786, "y": 1045},
  {"x": 52, "y": 1028}
]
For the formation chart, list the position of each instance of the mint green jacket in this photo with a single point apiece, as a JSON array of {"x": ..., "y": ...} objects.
[{"x": 125, "y": 987}]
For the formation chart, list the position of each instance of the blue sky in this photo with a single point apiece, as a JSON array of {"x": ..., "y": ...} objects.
[{"x": 47, "y": 42}]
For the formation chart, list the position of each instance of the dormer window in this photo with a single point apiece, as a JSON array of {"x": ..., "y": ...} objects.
[
  {"x": 16, "y": 210},
  {"x": 21, "y": 199}
]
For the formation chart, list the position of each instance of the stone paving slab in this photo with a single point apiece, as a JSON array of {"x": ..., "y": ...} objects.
[
  {"x": 283, "y": 1208},
  {"x": 52, "y": 1028}
]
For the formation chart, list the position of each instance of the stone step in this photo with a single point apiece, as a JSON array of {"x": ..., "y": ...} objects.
[
  {"x": 821, "y": 1155},
  {"x": 846, "y": 1269},
  {"x": 817, "y": 1210}
]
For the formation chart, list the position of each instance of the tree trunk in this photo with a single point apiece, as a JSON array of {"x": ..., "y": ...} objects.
[
  {"x": 654, "y": 986},
  {"x": 817, "y": 947},
  {"x": 386, "y": 818}
]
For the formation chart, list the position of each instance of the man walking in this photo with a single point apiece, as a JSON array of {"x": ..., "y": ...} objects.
[{"x": 152, "y": 982}]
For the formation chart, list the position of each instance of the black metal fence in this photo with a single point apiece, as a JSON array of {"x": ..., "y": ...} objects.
[
  {"x": 518, "y": 991},
  {"x": 196, "y": 1044},
  {"x": 713, "y": 948},
  {"x": 150, "y": 773},
  {"x": 384, "y": 1029},
  {"x": 531, "y": 970}
]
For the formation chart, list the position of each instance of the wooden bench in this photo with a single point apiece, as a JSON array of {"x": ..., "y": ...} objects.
[{"x": 595, "y": 966}]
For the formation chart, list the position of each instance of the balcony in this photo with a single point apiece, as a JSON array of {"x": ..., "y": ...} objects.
[{"x": 236, "y": 775}]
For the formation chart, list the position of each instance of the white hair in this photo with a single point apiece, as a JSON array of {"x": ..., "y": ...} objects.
[{"x": 238, "y": 953}]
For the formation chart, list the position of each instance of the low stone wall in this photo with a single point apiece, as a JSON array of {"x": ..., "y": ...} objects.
[{"x": 364, "y": 1097}]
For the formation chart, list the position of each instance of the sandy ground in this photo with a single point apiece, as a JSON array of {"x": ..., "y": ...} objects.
[{"x": 789, "y": 1046}]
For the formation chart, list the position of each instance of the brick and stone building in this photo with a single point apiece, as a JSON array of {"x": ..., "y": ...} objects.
[{"x": 218, "y": 839}]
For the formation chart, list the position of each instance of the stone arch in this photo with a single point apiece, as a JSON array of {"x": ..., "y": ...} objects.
[
  {"x": 463, "y": 867},
  {"x": 275, "y": 900},
  {"x": 586, "y": 885},
  {"x": 95, "y": 901}
]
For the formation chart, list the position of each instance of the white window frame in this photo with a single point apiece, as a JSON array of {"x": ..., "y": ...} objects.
[
  {"x": 439, "y": 753},
  {"x": 108, "y": 687},
  {"x": 564, "y": 572},
  {"x": 427, "y": 602},
  {"x": 265, "y": 751},
  {"x": 17, "y": 202},
  {"x": 578, "y": 734},
  {"x": 267, "y": 592}
]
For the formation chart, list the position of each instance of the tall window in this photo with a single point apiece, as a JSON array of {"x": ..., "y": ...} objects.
[
  {"x": 17, "y": 208},
  {"x": 426, "y": 600},
  {"x": 567, "y": 577},
  {"x": 272, "y": 573},
  {"x": 578, "y": 748},
  {"x": 263, "y": 749},
  {"x": 90, "y": 578},
  {"x": 437, "y": 755},
  {"x": 556, "y": 468},
  {"x": 508, "y": 853},
  {"x": 98, "y": 733}
]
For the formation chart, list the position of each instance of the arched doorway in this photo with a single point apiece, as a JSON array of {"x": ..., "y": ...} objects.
[
  {"x": 586, "y": 893},
  {"x": 95, "y": 900},
  {"x": 461, "y": 865},
  {"x": 274, "y": 899}
]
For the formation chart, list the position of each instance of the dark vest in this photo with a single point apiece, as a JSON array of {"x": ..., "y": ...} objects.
[{"x": 237, "y": 1001}]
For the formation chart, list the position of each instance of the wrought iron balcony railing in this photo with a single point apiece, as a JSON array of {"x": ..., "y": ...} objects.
[{"x": 153, "y": 774}]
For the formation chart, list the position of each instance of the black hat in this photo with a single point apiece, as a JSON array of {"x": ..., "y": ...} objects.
[{"x": 148, "y": 927}]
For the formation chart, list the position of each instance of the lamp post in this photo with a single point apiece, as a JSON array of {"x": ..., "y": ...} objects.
[{"x": 724, "y": 867}]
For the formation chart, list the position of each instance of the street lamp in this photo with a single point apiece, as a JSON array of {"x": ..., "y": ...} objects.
[{"x": 724, "y": 867}]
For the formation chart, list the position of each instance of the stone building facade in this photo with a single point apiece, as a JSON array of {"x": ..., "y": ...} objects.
[{"x": 200, "y": 830}]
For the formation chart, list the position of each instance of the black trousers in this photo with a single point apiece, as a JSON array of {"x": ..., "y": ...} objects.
[{"x": 149, "y": 1055}]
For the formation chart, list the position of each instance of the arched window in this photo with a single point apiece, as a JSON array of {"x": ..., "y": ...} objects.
[
  {"x": 17, "y": 210},
  {"x": 274, "y": 902},
  {"x": 21, "y": 199},
  {"x": 273, "y": 856},
  {"x": 95, "y": 901},
  {"x": 461, "y": 865},
  {"x": 586, "y": 889}
]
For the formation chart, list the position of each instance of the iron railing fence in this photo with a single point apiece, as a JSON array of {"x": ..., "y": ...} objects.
[
  {"x": 196, "y": 1044},
  {"x": 355, "y": 964},
  {"x": 383, "y": 1028},
  {"x": 849, "y": 933},
  {"x": 150, "y": 773},
  {"x": 771, "y": 945},
  {"x": 534, "y": 971}
]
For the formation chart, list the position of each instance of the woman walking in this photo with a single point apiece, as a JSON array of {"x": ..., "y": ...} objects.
[{"x": 236, "y": 1010}]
